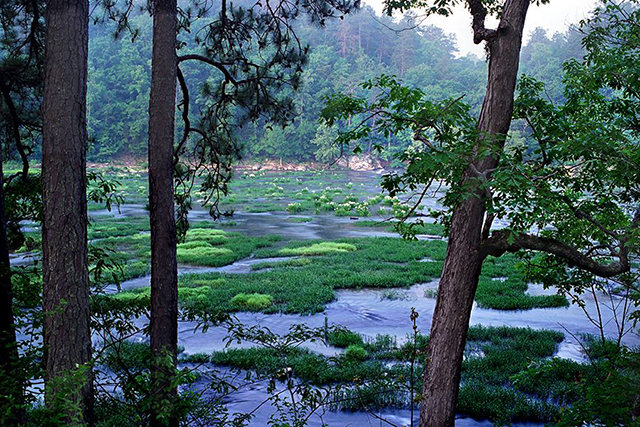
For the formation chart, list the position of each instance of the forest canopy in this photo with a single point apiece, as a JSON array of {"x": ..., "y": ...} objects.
[{"x": 343, "y": 54}]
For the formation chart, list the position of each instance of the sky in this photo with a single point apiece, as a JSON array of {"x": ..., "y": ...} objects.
[{"x": 554, "y": 17}]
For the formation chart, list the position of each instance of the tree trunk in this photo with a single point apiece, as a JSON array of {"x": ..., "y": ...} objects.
[
  {"x": 164, "y": 267},
  {"x": 463, "y": 262},
  {"x": 67, "y": 336},
  {"x": 11, "y": 381}
]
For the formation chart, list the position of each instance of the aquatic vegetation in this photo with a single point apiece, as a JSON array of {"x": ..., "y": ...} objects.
[
  {"x": 299, "y": 219},
  {"x": 305, "y": 287},
  {"x": 343, "y": 338},
  {"x": 194, "y": 244},
  {"x": 198, "y": 294},
  {"x": 252, "y": 302},
  {"x": 209, "y": 256},
  {"x": 393, "y": 295},
  {"x": 355, "y": 352},
  {"x": 502, "y": 287},
  {"x": 295, "y": 207},
  {"x": 487, "y": 389},
  {"x": 432, "y": 229},
  {"x": 106, "y": 226},
  {"x": 216, "y": 248},
  {"x": 295, "y": 262},
  {"x": 323, "y": 248}
]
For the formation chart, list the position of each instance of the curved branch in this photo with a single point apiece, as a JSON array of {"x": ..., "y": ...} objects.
[
  {"x": 479, "y": 14},
  {"x": 185, "y": 116},
  {"x": 501, "y": 242},
  {"x": 219, "y": 65},
  {"x": 16, "y": 122}
]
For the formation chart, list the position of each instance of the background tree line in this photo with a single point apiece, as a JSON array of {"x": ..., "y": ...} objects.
[{"x": 343, "y": 53}]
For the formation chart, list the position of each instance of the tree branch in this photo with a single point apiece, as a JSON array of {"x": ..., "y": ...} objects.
[
  {"x": 479, "y": 13},
  {"x": 219, "y": 65},
  {"x": 185, "y": 116},
  {"x": 15, "y": 124},
  {"x": 501, "y": 242}
]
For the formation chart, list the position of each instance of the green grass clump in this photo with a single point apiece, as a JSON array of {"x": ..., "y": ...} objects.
[
  {"x": 502, "y": 287},
  {"x": 105, "y": 226},
  {"x": 501, "y": 405},
  {"x": 323, "y": 248},
  {"x": 355, "y": 352},
  {"x": 194, "y": 244},
  {"x": 292, "y": 290},
  {"x": 344, "y": 338},
  {"x": 127, "y": 355},
  {"x": 494, "y": 385},
  {"x": 308, "y": 366},
  {"x": 252, "y": 302},
  {"x": 295, "y": 207},
  {"x": 296, "y": 262},
  {"x": 194, "y": 294},
  {"x": 209, "y": 256},
  {"x": 212, "y": 283},
  {"x": 216, "y": 248},
  {"x": 299, "y": 219},
  {"x": 211, "y": 236},
  {"x": 424, "y": 228}
]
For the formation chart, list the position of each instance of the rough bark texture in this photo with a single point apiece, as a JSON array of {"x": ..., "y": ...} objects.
[
  {"x": 164, "y": 268},
  {"x": 67, "y": 337},
  {"x": 11, "y": 382},
  {"x": 463, "y": 262}
]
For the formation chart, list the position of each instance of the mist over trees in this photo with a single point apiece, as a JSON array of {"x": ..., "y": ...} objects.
[{"x": 343, "y": 54}]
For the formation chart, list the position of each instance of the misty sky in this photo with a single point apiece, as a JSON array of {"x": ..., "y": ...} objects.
[{"x": 554, "y": 17}]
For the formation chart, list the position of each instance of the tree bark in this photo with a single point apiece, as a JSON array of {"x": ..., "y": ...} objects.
[
  {"x": 67, "y": 336},
  {"x": 164, "y": 268},
  {"x": 11, "y": 380},
  {"x": 463, "y": 263}
]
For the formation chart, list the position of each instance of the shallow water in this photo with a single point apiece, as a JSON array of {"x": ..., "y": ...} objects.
[{"x": 364, "y": 311}]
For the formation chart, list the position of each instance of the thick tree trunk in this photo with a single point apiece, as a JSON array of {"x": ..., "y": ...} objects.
[
  {"x": 67, "y": 337},
  {"x": 463, "y": 262},
  {"x": 164, "y": 268},
  {"x": 11, "y": 381}
]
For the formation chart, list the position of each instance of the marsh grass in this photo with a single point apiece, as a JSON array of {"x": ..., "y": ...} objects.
[
  {"x": 216, "y": 248},
  {"x": 302, "y": 219},
  {"x": 305, "y": 285},
  {"x": 295, "y": 262},
  {"x": 252, "y": 302},
  {"x": 502, "y": 287},
  {"x": 432, "y": 229},
  {"x": 102, "y": 227},
  {"x": 317, "y": 249},
  {"x": 487, "y": 385}
]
